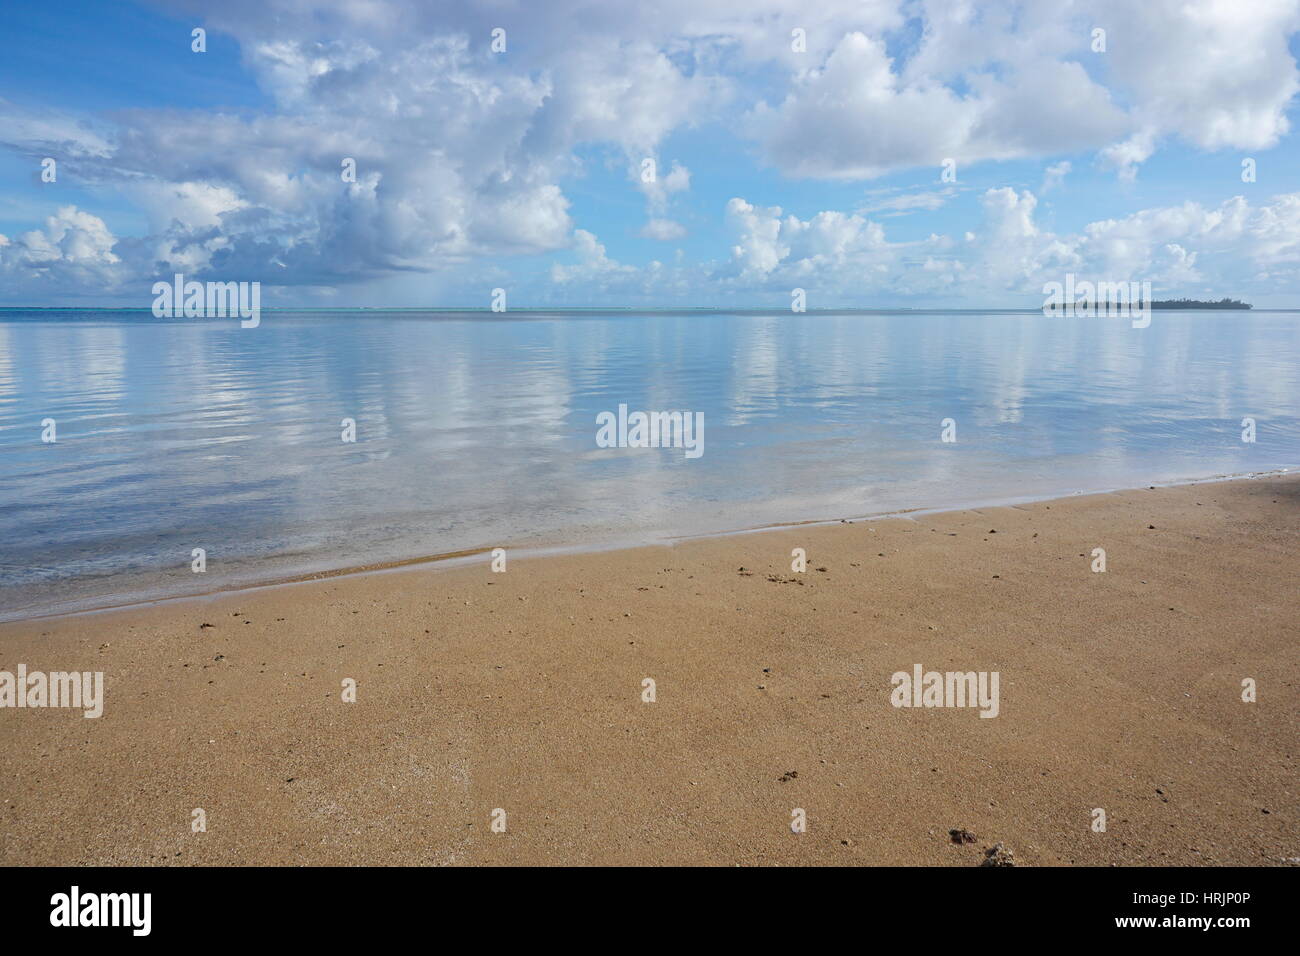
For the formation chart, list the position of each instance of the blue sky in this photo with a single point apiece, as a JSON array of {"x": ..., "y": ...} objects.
[{"x": 816, "y": 168}]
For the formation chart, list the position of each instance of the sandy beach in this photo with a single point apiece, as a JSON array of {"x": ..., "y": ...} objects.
[{"x": 523, "y": 691}]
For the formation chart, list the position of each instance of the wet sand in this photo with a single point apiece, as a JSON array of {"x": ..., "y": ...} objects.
[{"x": 523, "y": 691}]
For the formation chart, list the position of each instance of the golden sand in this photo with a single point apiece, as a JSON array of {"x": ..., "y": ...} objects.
[{"x": 523, "y": 691}]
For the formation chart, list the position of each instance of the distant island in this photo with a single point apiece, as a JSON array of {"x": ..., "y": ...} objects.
[{"x": 1198, "y": 304}]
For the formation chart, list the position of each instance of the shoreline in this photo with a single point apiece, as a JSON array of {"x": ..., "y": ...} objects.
[
  {"x": 523, "y": 691},
  {"x": 466, "y": 556}
]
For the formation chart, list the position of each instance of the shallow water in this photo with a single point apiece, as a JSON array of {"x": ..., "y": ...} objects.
[{"x": 478, "y": 430}]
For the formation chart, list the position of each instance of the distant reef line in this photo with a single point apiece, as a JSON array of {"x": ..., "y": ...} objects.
[{"x": 519, "y": 311}]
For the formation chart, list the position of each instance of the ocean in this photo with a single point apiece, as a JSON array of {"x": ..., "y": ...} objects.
[{"x": 478, "y": 430}]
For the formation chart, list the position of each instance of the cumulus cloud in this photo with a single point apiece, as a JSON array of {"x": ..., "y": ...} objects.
[
  {"x": 1215, "y": 74},
  {"x": 773, "y": 249},
  {"x": 1007, "y": 79},
  {"x": 1188, "y": 248},
  {"x": 846, "y": 259},
  {"x": 857, "y": 117},
  {"x": 74, "y": 249},
  {"x": 593, "y": 264},
  {"x": 462, "y": 153},
  {"x": 595, "y": 278}
]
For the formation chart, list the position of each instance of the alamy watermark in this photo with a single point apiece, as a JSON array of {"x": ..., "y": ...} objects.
[
  {"x": 80, "y": 689},
  {"x": 1098, "y": 299},
  {"x": 208, "y": 300},
  {"x": 75, "y": 908},
  {"x": 951, "y": 689},
  {"x": 651, "y": 430}
]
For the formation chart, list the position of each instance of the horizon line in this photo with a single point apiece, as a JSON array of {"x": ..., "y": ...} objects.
[{"x": 631, "y": 310}]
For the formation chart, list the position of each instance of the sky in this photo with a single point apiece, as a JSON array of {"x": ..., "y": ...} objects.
[{"x": 682, "y": 153}]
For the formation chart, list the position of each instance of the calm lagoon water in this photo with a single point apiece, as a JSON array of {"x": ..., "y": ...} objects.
[{"x": 477, "y": 430}]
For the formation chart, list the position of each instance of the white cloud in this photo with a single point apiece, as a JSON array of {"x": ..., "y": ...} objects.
[
  {"x": 1054, "y": 176},
  {"x": 51, "y": 134},
  {"x": 592, "y": 262},
  {"x": 1217, "y": 74},
  {"x": 462, "y": 153},
  {"x": 846, "y": 259},
  {"x": 664, "y": 229},
  {"x": 1009, "y": 79},
  {"x": 904, "y": 203},
  {"x": 857, "y": 117},
  {"x": 74, "y": 249},
  {"x": 1187, "y": 248},
  {"x": 1127, "y": 156},
  {"x": 658, "y": 189}
]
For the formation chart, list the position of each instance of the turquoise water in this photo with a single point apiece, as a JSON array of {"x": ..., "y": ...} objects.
[{"x": 479, "y": 430}]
